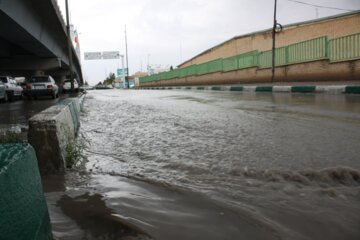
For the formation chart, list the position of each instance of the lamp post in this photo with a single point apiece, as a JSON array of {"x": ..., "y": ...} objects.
[
  {"x": 69, "y": 45},
  {"x": 273, "y": 45},
  {"x": 127, "y": 61}
]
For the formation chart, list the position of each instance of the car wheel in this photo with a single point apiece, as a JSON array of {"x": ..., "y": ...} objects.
[{"x": 53, "y": 95}]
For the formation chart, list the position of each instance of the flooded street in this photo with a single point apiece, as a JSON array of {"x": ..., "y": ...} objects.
[{"x": 212, "y": 165}]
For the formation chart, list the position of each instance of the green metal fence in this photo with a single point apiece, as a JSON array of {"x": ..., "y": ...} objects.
[
  {"x": 230, "y": 64},
  {"x": 249, "y": 59},
  {"x": 265, "y": 58},
  {"x": 344, "y": 48},
  {"x": 215, "y": 66},
  {"x": 202, "y": 69},
  {"x": 306, "y": 51},
  {"x": 338, "y": 49}
]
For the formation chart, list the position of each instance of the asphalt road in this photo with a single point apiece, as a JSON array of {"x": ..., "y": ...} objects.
[{"x": 15, "y": 115}]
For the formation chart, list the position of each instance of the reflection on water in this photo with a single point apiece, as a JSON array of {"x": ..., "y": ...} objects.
[
  {"x": 245, "y": 166},
  {"x": 95, "y": 219}
]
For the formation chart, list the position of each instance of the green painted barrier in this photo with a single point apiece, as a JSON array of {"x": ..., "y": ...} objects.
[
  {"x": 239, "y": 89},
  {"x": 303, "y": 89},
  {"x": 352, "y": 89},
  {"x": 200, "y": 88},
  {"x": 23, "y": 210},
  {"x": 216, "y": 88},
  {"x": 264, "y": 89},
  {"x": 74, "y": 113}
]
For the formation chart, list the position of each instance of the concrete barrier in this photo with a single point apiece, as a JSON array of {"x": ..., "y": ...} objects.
[
  {"x": 329, "y": 89},
  {"x": 303, "y": 89},
  {"x": 23, "y": 210},
  {"x": 352, "y": 89},
  {"x": 282, "y": 89},
  {"x": 51, "y": 130},
  {"x": 264, "y": 89}
]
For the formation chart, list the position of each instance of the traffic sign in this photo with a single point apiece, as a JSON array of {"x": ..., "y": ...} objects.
[
  {"x": 120, "y": 72},
  {"x": 111, "y": 55},
  {"x": 92, "y": 55}
]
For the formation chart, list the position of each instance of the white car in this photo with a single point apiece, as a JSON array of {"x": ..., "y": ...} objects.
[
  {"x": 67, "y": 86},
  {"x": 41, "y": 86},
  {"x": 12, "y": 89}
]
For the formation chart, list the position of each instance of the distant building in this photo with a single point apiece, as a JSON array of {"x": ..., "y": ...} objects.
[
  {"x": 157, "y": 68},
  {"x": 325, "y": 49}
]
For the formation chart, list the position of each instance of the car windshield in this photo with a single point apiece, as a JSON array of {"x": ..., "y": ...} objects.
[{"x": 39, "y": 79}]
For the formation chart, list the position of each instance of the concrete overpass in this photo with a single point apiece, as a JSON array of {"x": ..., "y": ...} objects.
[{"x": 33, "y": 39}]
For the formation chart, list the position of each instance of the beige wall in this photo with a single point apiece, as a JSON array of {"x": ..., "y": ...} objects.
[
  {"x": 332, "y": 28},
  {"x": 303, "y": 72}
]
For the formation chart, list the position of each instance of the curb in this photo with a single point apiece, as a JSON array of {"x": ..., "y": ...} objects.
[{"x": 331, "y": 89}]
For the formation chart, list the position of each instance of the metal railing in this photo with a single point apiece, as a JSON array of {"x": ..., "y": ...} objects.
[{"x": 338, "y": 49}]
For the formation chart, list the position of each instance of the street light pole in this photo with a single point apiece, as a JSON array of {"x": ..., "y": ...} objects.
[
  {"x": 273, "y": 45},
  {"x": 127, "y": 61},
  {"x": 69, "y": 45}
]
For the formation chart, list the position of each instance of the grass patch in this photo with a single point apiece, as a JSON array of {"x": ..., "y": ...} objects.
[{"x": 74, "y": 149}]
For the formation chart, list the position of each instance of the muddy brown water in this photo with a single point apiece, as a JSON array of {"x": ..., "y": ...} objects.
[{"x": 212, "y": 165}]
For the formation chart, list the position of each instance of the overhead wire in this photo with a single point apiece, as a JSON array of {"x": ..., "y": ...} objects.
[{"x": 320, "y": 6}]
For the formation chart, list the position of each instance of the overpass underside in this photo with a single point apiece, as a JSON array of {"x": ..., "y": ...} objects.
[{"x": 33, "y": 40}]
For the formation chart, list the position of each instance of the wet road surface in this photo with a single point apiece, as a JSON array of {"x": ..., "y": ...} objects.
[
  {"x": 14, "y": 116},
  {"x": 212, "y": 165}
]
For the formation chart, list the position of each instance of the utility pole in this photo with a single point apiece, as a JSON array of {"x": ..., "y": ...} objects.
[
  {"x": 273, "y": 45},
  {"x": 69, "y": 45},
  {"x": 127, "y": 61}
]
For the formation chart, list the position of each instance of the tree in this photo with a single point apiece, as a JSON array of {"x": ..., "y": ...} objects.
[{"x": 110, "y": 79}]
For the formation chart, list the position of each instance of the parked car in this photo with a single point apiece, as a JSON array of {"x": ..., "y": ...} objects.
[
  {"x": 12, "y": 89},
  {"x": 41, "y": 86},
  {"x": 3, "y": 95},
  {"x": 67, "y": 86}
]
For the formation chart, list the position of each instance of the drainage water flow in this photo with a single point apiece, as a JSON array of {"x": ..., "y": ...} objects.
[{"x": 191, "y": 165}]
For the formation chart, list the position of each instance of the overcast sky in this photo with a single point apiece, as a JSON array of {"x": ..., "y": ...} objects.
[{"x": 171, "y": 32}]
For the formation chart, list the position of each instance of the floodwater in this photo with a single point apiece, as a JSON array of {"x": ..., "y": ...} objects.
[{"x": 212, "y": 165}]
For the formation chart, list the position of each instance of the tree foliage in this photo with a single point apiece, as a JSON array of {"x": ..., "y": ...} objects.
[{"x": 110, "y": 79}]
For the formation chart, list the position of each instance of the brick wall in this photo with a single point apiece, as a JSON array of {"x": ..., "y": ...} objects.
[{"x": 336, "y": 27}]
